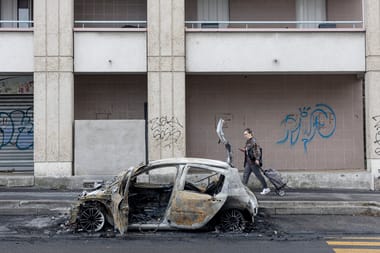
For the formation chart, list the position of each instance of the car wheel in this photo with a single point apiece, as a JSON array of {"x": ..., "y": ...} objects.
[
  {"x": 91, "y": 218},
  {"x": 232, "y": 220}
]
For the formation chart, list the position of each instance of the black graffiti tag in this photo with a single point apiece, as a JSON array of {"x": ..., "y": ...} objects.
[
  {"x": 377, "y": 135},
  {"x": 166, "y": 130}
]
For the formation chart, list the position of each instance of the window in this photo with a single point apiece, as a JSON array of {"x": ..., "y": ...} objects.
[
  {"x": 16, "y": 10},
  {"x": 310, "y": 10},
  {"x": 213, "y": 10},
  {"x": 24, "y": 12},
  {"x": 158, "y": 176},
  {"x": 203, "y": 180},
  {"x": 110, "y": 13}
]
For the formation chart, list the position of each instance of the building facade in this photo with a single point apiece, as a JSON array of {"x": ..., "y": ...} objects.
[{"x": 88, "y": 88}]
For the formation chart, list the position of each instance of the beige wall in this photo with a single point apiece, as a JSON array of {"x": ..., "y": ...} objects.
[
  {"x": 262, "y": 102},
  {"x": 191, "y": 10},
  {"x": 262, "y": 10},
  {"x": 110, "y": 96},
  {"x": 345, "y": 10}
]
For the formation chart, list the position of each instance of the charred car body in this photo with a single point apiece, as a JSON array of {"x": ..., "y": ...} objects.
[{"x": 178, "y": 193}]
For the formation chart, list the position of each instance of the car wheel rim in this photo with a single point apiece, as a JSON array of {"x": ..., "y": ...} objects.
[
  {"x": 233, "y": 221},
  {"x": 92, "y": 219}
]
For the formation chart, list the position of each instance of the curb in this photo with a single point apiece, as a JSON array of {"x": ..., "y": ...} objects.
[
  {"x": 276, "y": 207},
  {"x": 35, "y": 207},
  {"x": 369, "y": 208}
]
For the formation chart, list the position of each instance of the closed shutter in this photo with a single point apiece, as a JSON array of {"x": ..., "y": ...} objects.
[{"x": 16, "y": 132}]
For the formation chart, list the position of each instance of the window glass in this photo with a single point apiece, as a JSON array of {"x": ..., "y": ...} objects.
[
  {"x": 159, "y": 175},
  {"x": 203, "y": 180},
  {"x": 24, "y": 12}
]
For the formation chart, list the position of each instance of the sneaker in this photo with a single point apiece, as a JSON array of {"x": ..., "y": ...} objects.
[{"x": 265, "y": 191}]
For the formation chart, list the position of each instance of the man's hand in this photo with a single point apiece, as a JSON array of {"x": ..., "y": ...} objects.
[
  {"x": 242, "y": 149},
  {"x": 257, "y": 162}
]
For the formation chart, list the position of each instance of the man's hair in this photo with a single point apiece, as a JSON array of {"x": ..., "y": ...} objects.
[{"x": 248, "y": 130}]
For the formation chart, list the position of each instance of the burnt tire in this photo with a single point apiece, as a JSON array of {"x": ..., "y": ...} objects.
[
  {"x": 91, "y": 218},
  {"x": 232, "y": 220}
]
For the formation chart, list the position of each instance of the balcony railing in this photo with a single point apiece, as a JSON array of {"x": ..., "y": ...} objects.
[
  {"x": 109, "y": 24},
  {"x": 271, "y": 24},
  {"x": 16, "y": 23}
]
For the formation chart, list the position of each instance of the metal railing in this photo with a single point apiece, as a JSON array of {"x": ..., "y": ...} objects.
[
  {"x": 110, "y": 24},
  {"x": 247, "y": 24},
  {"x": 16, "y": 23}
]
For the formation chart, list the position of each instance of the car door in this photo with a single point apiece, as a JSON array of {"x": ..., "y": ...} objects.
[
  {"x": 120, "y": 206},
  {"x": 190, "y": 209}
]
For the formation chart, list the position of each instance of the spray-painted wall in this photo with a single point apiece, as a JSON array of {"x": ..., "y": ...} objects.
[
  {"x": 16, "y": 123},
  {"x": 307, "y": 122}
]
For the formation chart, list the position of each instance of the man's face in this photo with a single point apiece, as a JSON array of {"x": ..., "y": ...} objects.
[{"x": 247, "y": 135}]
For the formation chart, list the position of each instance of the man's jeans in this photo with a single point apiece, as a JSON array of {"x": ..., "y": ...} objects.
[{"x": 249, "y": 168}]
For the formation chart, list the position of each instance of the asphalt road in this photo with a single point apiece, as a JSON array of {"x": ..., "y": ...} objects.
[
  {"x": 283, "y": 233},
  {"x": 183, "y": 245}
]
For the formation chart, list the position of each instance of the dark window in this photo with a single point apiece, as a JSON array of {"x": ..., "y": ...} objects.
[{"x": 24, "y": 12}]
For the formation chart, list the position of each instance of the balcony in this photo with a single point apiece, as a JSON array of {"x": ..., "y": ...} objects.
[
  {"x": 296, "y": 52},
  {"x": 112, "y": 52},
  {"x": 290, "y": 36},
  {"x": 273, "y": 14},
  {"x": 119, "y": 29},
  {"x": 16, "y": 50}
]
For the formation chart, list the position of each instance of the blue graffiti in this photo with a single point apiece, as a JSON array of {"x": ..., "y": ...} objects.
[
  {"x": 16, "y": 128},
  {"x": 307, "y": 124}
]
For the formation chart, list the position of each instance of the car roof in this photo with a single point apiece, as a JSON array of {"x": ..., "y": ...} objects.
[{"x": 184, "y": 160}]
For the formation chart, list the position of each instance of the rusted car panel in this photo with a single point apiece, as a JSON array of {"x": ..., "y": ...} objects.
[
  {"x": 199, "y": 191},
  {"x": 194, "y": 210}
]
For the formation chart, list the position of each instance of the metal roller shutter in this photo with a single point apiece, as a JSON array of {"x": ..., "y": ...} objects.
[{"x": 16, "y": 132}]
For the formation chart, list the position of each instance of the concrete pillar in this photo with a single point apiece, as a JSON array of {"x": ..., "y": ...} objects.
[
  {"x": 53, "y": 92},
  {"x": 166, "y": 79},
  {"x": 372, "y": 88}
]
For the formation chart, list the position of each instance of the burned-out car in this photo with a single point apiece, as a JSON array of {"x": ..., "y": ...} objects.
[{"x": 177, "y": 193}]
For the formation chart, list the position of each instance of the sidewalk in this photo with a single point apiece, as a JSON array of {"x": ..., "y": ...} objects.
[{"x": 32, "y": 201}]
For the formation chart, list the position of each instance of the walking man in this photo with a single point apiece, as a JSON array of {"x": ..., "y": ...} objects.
[{"x": 252, "y": 156}]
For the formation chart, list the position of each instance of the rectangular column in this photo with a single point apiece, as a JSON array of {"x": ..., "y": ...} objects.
[
  {"x": 372, "y": 82},
  {"x": 54, "y": 93},
  {"x": 166, "y": 79}
]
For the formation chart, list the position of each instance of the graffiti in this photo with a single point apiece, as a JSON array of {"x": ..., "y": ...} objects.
[
  {"x": 307, "y": 123},
  {"x": 166, "y": 130},
  {"x": 377, "y": 134},
  {"x": 16, "y": 128}
]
